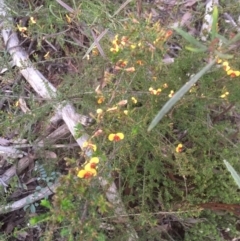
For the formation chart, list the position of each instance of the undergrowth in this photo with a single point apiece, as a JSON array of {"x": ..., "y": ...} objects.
[{"x": 159, "y": 183}]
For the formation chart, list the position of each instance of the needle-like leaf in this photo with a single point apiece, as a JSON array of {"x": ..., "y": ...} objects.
[
  {"x": 214, "y": 28},
  {"x": 189, "y": 38},
  {"x": 234, "y": 174}
]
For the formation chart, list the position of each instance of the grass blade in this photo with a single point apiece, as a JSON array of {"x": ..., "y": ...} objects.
[
  {"x": 214, "y": 28},
  {"x": 178, "y": 95},
  {"x": 196, "y": 50},
  {"x": 189, "y": 38},
  {"x": 234, "y": 174}
]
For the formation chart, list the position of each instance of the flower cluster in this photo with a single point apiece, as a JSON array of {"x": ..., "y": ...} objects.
[
  {"x": 159, "y": 90},
  {"x": 232, "y": 73},
  {"x": 155, "y": 92},
  {"x": 89, "y": 169}
]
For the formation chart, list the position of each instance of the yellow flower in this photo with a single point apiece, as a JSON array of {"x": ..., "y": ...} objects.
[
  {"x": 47, "y": 55},
  {"x": 233, "y": 73},
  {"x": 89, "y": 169},
  {"x": 33, "y": 20},
  {"x": 21, "y": 29},
  {"x": 134, "y": 100},
  {"x": 69, "y": 20},
  {"x": 87, "y": 174},
  {"x": 227, "y": 68},
  {"x": 99, "y": 111},
  {"x": 122, "y": 63},
  {"x": 116, "y": 137},
  {"x": 115, "y": 49},
  {"x": 225, "y": 63},
  {"x": 89, "y": 145},
  {"x": 165, "y": 85},
  {"x": 237, "y": 73},
  {"x": 17, "y": 104},
  {"x": 230, "y": 72},
  {"x": 115, "y": 43},
  {"x": 125, "y": 112},
  {"x": 155, "y": 92},
  {"x": 171, "y": 94},
  {"x": 224, "y": 95},
  {"x": 179, "y": 148},
  {"x": 92, "y": 163}
]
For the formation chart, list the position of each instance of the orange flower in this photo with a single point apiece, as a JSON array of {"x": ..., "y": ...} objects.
[
  {"x": 116, "y": 137},
  {"x": 122, "y": 63},
  {"x": 100, "y": 100},
  {"x": 139, "y": 62},
  {"x": 87, "y": 174},
  {"x": 168, "y": 33},
  {"x": 179, "y": 148}
]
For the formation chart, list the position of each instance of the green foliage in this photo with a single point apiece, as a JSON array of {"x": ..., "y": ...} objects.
[{"x": 154, "y": 179}]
